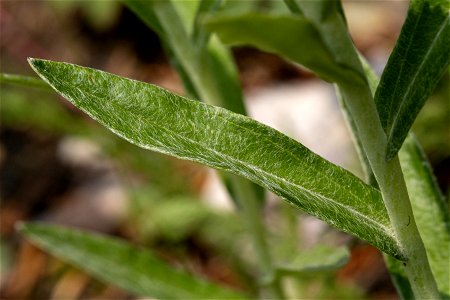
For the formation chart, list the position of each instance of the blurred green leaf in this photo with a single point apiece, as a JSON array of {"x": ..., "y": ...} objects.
[
  {"x": 318, "y": 259},
  {"x": 99, "y": 14},
  {"x": 329, "y": 20},
  {"x": 156, "y": 119},
  {"x": 26, "y": 81},
  {"x": 117, "y": 262},
  {"x": 187, "y": 11},
  {"x": 431, "y": 126},
  {"x": 430, "y": 210},
  {"x": 200, "y": 36},
  {"x": 19, "y": 109},
  {"x": 420, "y": 57},
  {"x": 170, "y": 218},
  {"x": 399, "y": 278},
  {"x": 291, "y": 36}
]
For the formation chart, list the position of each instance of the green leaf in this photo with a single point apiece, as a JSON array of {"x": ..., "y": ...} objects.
[
  {"x": 291, "y": 36},
  {"x": 22, "y": 80},
  {"x": 119, "y": 263},
  {"x": 420, "y": 57},
  {"x": 318, "y": 259},
  {"x": 156, "y": 119},
  {"x": 206, "y": 67},
  {"x": 187, "y": 11},
  {"x": 329, "y": 20},
  {"x": 430, "y": 211}
]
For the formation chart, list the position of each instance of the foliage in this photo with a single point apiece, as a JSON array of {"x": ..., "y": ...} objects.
[{"x": 400, "y": 210}]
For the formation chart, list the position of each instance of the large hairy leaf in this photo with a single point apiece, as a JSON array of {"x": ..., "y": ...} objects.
[
  {"x": 430, "y": 211},
  {"x": 204, "y": 64},
  {"x": 119, "y": 263},
  {"x": 414, "y": 68},
  {"x": 156, "y": 119}
]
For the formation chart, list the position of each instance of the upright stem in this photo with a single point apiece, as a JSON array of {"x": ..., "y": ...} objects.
[
  {"x": 390, "y": 179},
  {"x": 202, "y": 78},
  {"x": 251, "y": 210}
]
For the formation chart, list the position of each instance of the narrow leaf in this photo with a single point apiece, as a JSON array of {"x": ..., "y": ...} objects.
[
  {"x": 119, "y": 263},
  {"x": 291, "y": 36},
  {"x": 430, "y": 211},
  {"x": 329, "y": 20},
  {"x": 22, "y": 80},
  {"x": 155, "y": 119},
  {"x": 419, "y": 59},
  {"x": 318, "y": 259}
]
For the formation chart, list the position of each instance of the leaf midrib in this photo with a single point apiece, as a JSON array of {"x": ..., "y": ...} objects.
[
  {"x": 408, "y": 91},
  {"x": 404, "y": 60},
  {"x": 378, "y": 227},
  {"x": 253, "y": 167}
]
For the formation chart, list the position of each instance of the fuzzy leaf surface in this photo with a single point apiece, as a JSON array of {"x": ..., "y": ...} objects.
[
  {"x": 119, "y": 263},
  {"x": 420, "y": 57},
  {"x": 155, "y": 119}
]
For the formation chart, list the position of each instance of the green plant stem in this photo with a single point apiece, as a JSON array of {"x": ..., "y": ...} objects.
[
  {"x": 193, "y": 61},
  {"x": 251, "y": 209},
  {"x": 390, "y": 179},
  {"x": 189, "y": 57}
]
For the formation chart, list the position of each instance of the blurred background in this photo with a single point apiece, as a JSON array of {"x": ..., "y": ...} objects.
[{"x": 57, "y": 165}]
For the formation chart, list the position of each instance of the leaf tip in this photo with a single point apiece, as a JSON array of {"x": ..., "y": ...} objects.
[
  {"x": 32, "y": 61},
  {"x": 36, "y": 63}
]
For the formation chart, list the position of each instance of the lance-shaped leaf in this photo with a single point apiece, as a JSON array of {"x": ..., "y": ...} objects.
[
  {"x": 318, "y": 259},
  {"x": 117, "y": 262},
  {"x": 430, "y": 211},
  {"x": 293, "y": 37},
  {"x": 156, "y": 119},
  {"x": 22, "y": 80},
  {"x": 419, "y": 59}
]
